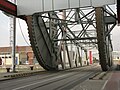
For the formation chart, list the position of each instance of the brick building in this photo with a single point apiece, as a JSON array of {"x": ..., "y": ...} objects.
[{"x": 24, "y": 55}]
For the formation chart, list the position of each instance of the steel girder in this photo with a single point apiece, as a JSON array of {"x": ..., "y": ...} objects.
[
  {"x": 104, "y": 28},
  {"x": 74, "y": 28},
  {"x": 54, "y": 40}
]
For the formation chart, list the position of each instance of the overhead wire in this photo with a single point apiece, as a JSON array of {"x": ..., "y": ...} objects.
[{"x": 23, "y": 34}]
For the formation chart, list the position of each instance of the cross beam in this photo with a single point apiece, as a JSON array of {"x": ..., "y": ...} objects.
[
  {"x": 72, "y": 39},
  {"x": 8, "y": 7},
  {"x": 118, "y": 10}
]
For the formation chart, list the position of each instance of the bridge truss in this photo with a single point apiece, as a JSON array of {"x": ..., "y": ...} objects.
[
  {"x": 91, "y": 32},
  {"x": 58, "y": 36}
]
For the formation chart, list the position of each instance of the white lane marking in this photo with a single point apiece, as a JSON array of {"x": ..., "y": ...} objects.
[
  {"x": 43, "y": 81},
  {"x": 40, "y": 82},
  {"x": 106, "y": 82},
  {"x": 104, "y": 85},
  {"x": 119, "y": 85}
]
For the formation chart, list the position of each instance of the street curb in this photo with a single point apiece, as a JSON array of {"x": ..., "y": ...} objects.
[{"x": 20, "y": 75}]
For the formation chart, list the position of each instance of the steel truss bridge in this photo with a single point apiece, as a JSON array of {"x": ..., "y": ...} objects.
[{"x": 59, "y": 29}]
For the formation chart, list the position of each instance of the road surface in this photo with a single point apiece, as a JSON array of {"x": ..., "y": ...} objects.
[{"x": 62, "y": 80}]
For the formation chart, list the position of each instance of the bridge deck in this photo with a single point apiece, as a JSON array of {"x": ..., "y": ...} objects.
[{"x": 28, "y": 7}]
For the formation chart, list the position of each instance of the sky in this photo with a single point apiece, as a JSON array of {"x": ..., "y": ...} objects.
[
  {"x": 5, "y": 33},
  {"x": 116, "y": 38}
]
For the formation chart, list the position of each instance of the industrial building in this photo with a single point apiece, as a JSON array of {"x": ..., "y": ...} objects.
[{"x": 24, "y": 55}]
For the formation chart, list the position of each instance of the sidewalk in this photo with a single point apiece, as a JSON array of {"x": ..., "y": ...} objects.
[
  {"x": 20, "y": 72},
  {"x": 114, "y": 82},
  {"x": 108, "y": 81},
  {"x": 11, "y": 75}
]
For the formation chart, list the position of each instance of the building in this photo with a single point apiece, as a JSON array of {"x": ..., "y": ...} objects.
[
  {"x": 24, "y": 55},
  {"x": 116, "y": 57},
  {"x": 6, "y": 58}
]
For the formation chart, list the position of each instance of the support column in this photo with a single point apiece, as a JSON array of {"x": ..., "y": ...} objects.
[
  {"x": 64, "y": 37},
  {"x": 108, "y": 49},
  {"x": 68, "y": 55},
  {"x": 81, "y": 53},
  {"x": 77, "y": 57},
  {"x": 118, "y": 10},
  {"x": 13, "y": 44},
  {"x": 86, "y": 55},
  {"x": 71, "y": 54},
  {"x": 100, "y": 26},
  {"x": 80, "y": 60}
]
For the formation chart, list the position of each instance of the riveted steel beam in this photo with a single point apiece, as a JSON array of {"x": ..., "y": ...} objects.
[
  {"x": 8, "y": 7},
  {"x": 100, "y": 26}
]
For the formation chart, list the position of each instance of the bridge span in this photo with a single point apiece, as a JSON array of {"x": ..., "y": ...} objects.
[{"x": 60, "y": 29}]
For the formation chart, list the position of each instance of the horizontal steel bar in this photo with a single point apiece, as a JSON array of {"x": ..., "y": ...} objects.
[{"x": 72, "y": 39}]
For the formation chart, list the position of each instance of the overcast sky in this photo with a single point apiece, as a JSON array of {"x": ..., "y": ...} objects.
[
  {"x": 116, "y": 38},
  {"x": 5, "y": 31}
]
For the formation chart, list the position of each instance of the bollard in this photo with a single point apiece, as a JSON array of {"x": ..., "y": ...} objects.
[
  {"x": 8, "y": 69},
  {"x": 31, "y": 67}
]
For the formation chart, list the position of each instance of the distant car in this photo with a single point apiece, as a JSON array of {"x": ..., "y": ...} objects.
[{"x": 26, "y": 63}]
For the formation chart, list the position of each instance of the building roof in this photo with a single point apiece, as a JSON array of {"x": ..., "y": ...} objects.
[{"x": 18, "y": 49}]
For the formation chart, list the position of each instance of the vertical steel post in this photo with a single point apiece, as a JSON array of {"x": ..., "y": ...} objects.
[
  {"x": 86, "y": 55},
  {"x": 81, "y": 53},
  {"x": 14, "y": 42},
  {"x": 80, "y": 60},
  {"x": 118, "y": 11},
  {"x": 71, "y": 54},
  {"x": 77, "y": 57},
  {"x": 64, "y": 37}
]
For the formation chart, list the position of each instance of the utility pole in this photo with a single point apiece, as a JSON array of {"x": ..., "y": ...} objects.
[{"x": 13, "y": 37}]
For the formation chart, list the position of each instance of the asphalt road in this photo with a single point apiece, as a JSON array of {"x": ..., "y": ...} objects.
[{"x": 62, "y": 80}]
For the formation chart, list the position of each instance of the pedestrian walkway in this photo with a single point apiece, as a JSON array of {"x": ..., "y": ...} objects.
[
  {"x": 106, "y": 81},
  {"x": 114, "y": 82}
]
